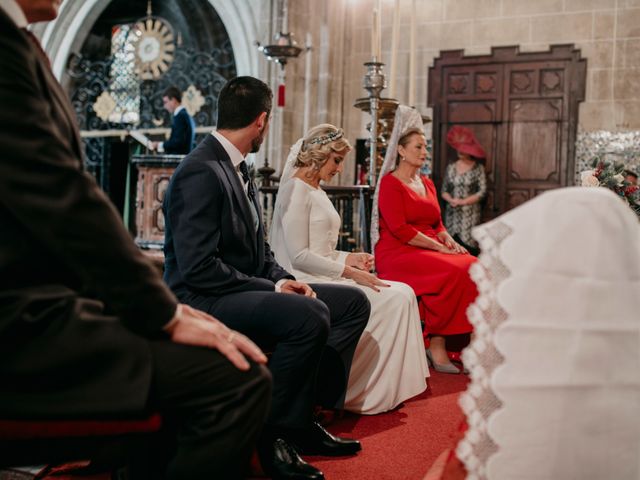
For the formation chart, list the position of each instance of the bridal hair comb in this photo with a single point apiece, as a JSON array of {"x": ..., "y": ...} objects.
[{"x": 324, "y": 139}]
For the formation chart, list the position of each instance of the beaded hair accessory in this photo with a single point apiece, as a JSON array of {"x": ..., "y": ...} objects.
[{"x": 330, "y": 137}]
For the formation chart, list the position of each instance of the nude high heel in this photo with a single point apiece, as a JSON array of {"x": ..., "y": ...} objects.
[{"x": 442, "y": 367}]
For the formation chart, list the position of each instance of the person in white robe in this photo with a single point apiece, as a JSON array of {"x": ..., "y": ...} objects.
[{"x": 555, "y": 388}]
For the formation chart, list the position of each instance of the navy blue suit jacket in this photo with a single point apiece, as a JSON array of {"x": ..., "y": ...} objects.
[
  {"x": 211, "y": 247},
  {"x": 183, "y": 134}
]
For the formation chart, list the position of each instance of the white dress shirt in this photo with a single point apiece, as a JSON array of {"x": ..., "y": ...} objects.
[{"x": 234, "y": 154}]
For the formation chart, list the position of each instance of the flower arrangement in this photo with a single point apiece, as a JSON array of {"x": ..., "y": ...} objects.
[{"x": 611, "y": 175}]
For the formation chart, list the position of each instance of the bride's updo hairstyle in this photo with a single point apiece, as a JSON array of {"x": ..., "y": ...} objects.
[{"x": 318, "y": 144}]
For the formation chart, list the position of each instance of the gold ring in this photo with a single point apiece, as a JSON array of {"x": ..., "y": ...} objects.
[{"x": 231, "y": 336}]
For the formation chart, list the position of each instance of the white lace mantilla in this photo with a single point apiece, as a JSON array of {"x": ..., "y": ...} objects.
[
  {"x": 555, "y": 390},
  {"x": 480, "y": 402}
]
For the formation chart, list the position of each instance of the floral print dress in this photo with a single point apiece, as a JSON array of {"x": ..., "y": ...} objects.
[{"x": 460, "y": 220}]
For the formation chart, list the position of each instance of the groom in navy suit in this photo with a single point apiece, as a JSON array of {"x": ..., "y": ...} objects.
[
  {"x": 183, "y": 129},
  {"x": 217, "y": 260}
]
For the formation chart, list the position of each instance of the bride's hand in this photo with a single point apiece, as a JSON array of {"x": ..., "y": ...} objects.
[
  {"x": 364, "y": 278},
  {"x": 361, "y": 261}
]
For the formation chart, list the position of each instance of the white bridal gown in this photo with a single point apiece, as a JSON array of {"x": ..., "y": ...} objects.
[{"x": 389, "y": 365}]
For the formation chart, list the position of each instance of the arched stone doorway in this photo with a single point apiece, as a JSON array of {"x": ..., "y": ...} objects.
[
  {"x": 69, "y": 31},
  {"x": 208, "y": 32}
]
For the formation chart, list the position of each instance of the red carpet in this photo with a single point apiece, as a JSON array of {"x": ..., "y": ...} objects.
[
  {"x": 397, "y": 445},
  {"x": 402, "y": 444}
]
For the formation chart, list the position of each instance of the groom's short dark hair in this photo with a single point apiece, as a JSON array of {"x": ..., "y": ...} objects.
[{"x": 240, "y": 102}]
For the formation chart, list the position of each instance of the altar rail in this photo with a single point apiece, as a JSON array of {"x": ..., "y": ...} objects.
[{"x": 353, "y": 203}]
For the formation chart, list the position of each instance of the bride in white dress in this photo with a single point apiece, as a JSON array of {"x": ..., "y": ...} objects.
[{"x": 389, "y": 365}]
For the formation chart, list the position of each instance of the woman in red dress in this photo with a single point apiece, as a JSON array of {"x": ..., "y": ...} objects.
[{"x": 415, "y": 248}]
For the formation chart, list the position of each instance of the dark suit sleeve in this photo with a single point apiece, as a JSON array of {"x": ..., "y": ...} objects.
[
  {"x": 180, "y": 138},
  {"x": 43, "y": 186},
  {"x": 193, "y": 207},
  {"x": 272, "y": 269}
]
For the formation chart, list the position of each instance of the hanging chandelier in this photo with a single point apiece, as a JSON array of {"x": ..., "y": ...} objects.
[{"x": 285, "y": 47}]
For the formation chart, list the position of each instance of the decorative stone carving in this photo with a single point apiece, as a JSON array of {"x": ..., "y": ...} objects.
[
  {"x": 192, "y": 100},
  {"x": 154, "y": 46},
  {"x": 104, "y": 106}
]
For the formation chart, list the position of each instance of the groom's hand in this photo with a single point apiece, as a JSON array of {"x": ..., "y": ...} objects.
[{"x": 291, "y": 286}]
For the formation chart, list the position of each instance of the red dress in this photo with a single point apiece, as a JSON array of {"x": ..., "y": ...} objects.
[{"x": 441, "y": 281}]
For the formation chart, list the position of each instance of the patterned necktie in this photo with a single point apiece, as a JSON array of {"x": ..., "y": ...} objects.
[
  {"x": 244, "y": 171},
  {"x": 38, "y": 45}
]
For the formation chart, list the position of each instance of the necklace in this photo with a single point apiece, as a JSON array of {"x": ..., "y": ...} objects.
[{"x": 411, "y": 180}]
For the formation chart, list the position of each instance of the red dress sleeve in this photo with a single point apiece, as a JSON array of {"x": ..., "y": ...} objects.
[{"x": 391, "y": 204}]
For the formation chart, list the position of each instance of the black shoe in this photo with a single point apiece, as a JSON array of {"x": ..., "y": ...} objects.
[
  {"x": 317, "y": 441},
  {"x": 281, "y": 462}
]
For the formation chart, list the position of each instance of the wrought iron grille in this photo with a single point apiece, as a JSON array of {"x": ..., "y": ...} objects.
[{"x": 207, "y": 71}]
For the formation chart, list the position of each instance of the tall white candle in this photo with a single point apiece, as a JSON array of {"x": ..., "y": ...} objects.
[
  {"x": 374, "y": 35},
  {"x": 412, "y": 56},
  {"x": 307, "y": 84},
  {"x": 285, "y": 18},
  {"x": 395, "y": 35},
  {"x": 379, "y": 30}
]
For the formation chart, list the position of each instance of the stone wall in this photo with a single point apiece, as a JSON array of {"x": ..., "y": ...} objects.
[{"x": 606, "y": 31}]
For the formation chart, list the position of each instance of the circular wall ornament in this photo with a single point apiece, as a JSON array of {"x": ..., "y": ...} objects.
[{"x": 154, "y": 44}]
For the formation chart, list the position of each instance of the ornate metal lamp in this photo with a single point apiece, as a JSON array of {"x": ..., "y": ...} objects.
[
  {"x": 284, "y": 48},
  {"x": 382, "y": 112},
  {"x": 281, "y": 51}
]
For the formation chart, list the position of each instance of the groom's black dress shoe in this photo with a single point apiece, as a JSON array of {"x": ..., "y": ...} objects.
[
  {"x": 315, "y": 440},
  {"x": 281, "y": 462}
]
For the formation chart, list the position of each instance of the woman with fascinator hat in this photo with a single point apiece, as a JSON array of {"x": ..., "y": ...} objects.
[
  {"x": 389, "y": 364},
  {"x": 411, "y": 243},
  {"x": 464, "y": 186}
]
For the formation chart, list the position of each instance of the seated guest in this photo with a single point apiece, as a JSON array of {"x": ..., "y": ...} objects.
[
  {"x": 555, "y": 389},
  {"x": 87, "y": 328},
  {"x": 217, "y": 260},
  {"x": 412, "y": 245},
  {"x": 183, "y": 130},
  {"x": 389, "y": 365},
  {"x": 631, "y": 177}
]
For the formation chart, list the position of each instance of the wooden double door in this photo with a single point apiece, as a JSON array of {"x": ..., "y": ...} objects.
[{"x": 523, "y": 108}]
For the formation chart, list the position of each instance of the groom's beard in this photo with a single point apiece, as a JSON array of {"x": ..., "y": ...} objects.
[{"x": 256, "y": 143}]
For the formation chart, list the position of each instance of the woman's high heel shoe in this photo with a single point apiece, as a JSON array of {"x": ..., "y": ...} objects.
[{"x": 442, "y": 367}]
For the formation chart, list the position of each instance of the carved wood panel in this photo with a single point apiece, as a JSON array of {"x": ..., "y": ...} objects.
[
  {"x": 151, "y": 187},
  {"x": 523, "y": 107}
]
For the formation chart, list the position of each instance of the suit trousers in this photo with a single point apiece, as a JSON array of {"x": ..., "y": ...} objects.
[
  {"x": 212, "y": 411},
  {"x": 312, "y": 342}
]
